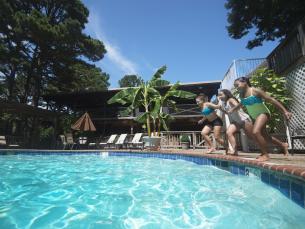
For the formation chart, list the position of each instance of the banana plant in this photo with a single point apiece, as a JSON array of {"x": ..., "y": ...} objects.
[
  {"x": 161, "y": 119},
  {"x": 147, "y": 96}
]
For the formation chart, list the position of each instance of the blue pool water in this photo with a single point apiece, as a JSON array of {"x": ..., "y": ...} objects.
[{"x": 92, "y": 191}]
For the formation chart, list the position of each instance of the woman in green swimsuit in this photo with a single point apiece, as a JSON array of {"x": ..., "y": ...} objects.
[{"x": 252, "y": 98}]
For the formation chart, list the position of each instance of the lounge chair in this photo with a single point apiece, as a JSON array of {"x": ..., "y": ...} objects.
[
  {"x": 82, "y": 142},
  {"x": 121, "y": 141},
  {"x": 135, "y": 142},
  {"x": 63, "y": 141},
  {"x": 3, "y": 143},
  {"x": 70, "y": 142},
  {"x": 109, "y": 142}
]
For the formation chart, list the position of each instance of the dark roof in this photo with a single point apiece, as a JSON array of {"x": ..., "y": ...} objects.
[
  {"x": 24, "y": 109},
  {"x": 94, "y": 99}
]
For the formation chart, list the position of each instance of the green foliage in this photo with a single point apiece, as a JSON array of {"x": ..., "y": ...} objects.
[
  {"x": 85, "y": 77},
  {"x": 185, "y": 138},
  {"x": 46, "y": 135},
  {"x": 131, "y": 81},
  {"x": 43, "y": 48},
  {"x": 66, "y": 121},
  {"x": 274, "y": 85},
  {"x": 146, "y": 95},
  {"x": 272, "y": 19}
]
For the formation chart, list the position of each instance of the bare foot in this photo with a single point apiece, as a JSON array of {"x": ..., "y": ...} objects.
[
  {"x": 227, "y": 152},
  {"x": 263, "y": 157},
  {"x": 285, "y": 149},
  {"x": 211, "y": 150},
  {"x": 232, "y": 153},
  {"x": 235, "y": 153}
]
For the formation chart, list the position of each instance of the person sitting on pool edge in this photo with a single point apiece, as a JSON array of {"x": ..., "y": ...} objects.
[
  {"x": 210, "y": 120},
  {"x": 252, "y": 98}
]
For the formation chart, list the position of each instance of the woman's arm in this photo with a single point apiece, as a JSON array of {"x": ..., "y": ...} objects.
[
  {"x": 213, "y": 106},
  {"x": 233, "y": 102},
  {"x": 273, "y": 101},
  {"x": 236, "y": 106},
  {"x": 202, "y": 120}
]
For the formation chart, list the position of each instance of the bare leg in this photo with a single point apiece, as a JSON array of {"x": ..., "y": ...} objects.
[
  {"x": 258, "y": 128},
  {"x": 231, "y": 137},
  {"x": 249, "y": 130},
  {"x": 217, "y": 134},
  {"x": 276, "y": 141},
  {"x": 205, "y": 134}
]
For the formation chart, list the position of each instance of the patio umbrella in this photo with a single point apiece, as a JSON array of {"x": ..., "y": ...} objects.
[{"x": 84, "y": 123}]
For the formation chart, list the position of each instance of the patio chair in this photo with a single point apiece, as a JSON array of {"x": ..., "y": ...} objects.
[
  {"x": 63, "y": 141},
  {"x": 4, "y": 144},
  {"x": 135, "y": 142},
  {"x": 70, "y": 142},
  {"x": 82, "y": 142},
  {"x": 109, "y": 142},
  {"x": 296, "y": 134},
  {"x": 121, "y": 141}
]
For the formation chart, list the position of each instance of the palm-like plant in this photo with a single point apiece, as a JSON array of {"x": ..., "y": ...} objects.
[{"x": 147, "y": 96}]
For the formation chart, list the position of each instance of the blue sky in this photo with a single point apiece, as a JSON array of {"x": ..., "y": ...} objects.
[{"x": 188, "y": 36}]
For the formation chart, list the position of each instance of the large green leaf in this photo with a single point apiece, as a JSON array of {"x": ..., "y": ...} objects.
[
  {"x": 156, "y": 108},
  {"x": 142, "y": 118},
  {"x": 123, "y": 97},
  {"x": 159, "y": 73}
]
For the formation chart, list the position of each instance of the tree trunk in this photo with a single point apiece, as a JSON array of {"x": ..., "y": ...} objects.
[
  {"x": 11, "y": 83},
  {"x": 37, "y": 85},
  {"x": 29, "y": 76}
]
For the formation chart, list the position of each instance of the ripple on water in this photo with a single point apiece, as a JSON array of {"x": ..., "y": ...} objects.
[{"x": 120, "y": 192}]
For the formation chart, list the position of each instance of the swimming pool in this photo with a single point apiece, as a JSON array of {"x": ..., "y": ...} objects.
[{"x": 97, "y": 191}]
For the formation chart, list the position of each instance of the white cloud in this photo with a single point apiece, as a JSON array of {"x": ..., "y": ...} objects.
[{"x": 113, "y": 52}]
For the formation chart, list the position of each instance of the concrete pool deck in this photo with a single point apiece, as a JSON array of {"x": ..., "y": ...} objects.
[
  {"x": 279, "y": 159},
  {"x": 291, "y": 165}
]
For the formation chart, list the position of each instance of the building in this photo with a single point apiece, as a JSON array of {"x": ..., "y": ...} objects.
[{"x": 109, "y": 119}]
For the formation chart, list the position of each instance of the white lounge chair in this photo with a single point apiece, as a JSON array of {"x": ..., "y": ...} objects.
[
  {"x": 63, "y": 141},
  {"x": 82, "y": 142},
  {"x": 136, "y": 141},
  {"x": 70, "y": 142},
  {"x": 121, "y": 141},
  {"x": 109, "y": 142},
  {"x": 3, "y": 143}
]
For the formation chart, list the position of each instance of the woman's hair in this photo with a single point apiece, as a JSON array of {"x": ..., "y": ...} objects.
[
  {"x": 228, "y": 94},
  {"x": 202, "y": 97},
  {"x": 244, "y": 79}
]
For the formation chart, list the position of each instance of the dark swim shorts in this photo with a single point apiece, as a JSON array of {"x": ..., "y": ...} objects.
[{"x": 216, "y": 122}]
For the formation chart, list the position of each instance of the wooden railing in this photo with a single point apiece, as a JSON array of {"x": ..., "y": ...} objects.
[
  {"x": 289, "y": 50},
  {"x": 171, "y": 139}
]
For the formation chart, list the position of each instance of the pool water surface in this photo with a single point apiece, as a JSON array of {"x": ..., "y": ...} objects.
[{"x": 95, "y": 191}]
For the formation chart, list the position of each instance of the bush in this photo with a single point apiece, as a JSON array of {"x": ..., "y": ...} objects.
[
  {"x": 185, "y": 138},
  {"x": 275, "y": 86}
]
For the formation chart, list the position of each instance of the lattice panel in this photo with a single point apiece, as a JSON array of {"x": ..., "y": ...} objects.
[{"x": 296, "y": 87}]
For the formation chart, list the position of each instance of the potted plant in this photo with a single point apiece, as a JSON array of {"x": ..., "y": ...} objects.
[
  {"x": 147, "y": 96},
  {"x": 185, "y": 141}
]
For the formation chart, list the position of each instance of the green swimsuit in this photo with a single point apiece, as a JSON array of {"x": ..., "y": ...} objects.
[{"x": 255, "y": 106}]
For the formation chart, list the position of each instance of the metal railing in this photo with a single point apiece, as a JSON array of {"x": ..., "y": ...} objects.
[{"x": 239, "y": 68}]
